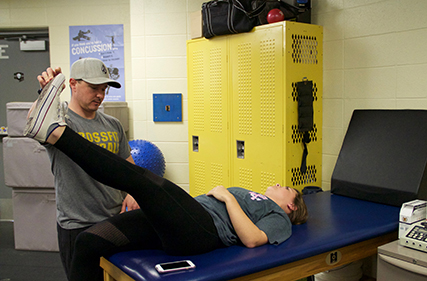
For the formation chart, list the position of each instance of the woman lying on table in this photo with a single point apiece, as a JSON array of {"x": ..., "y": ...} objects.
[{"x": 169, "y": 218}]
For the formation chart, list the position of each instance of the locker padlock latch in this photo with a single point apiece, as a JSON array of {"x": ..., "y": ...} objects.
[
  {"x": 240, "y": 149},
  {"x": 195, "y": 143}
]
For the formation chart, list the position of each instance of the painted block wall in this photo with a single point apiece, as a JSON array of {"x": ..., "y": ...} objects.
[
  {"x": 374, "y": 58},
  {"x": 159, "y": 31}
]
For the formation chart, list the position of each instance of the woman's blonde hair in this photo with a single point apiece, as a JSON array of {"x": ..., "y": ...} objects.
[{"x": 300, "y": 215}]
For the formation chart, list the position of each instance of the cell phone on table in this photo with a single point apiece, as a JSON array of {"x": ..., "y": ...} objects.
[{"x": 174, "y": 266}]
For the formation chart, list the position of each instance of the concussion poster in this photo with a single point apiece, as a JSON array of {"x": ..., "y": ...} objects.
[{"x": 104, "y": 42}]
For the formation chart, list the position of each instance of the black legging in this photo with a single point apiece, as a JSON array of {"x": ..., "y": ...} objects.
[{"x": 169, "y": 219}]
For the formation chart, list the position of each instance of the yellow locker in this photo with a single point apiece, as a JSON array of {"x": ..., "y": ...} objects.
[
  {"x": 257, "y": 108},
  {"x": 259, "y": 143},
  {"x": 303, "y": 58},
  {"x": 208, "y": 107}
]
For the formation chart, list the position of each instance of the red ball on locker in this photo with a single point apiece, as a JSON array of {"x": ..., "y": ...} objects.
[{"x": 275, "y": 15}]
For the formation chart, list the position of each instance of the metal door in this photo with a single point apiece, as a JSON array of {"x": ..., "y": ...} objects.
[
  {"x": 257, "y": 108},
  {"x": 208, "y": 114}
]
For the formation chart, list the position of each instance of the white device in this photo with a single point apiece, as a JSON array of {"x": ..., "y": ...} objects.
[
  {"x": 416, "y": 237},
  {"x": 174, "y": 266},
  {"x": 411, "y": 214}
]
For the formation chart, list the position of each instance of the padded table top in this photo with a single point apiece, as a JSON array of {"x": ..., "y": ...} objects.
[{"x": 334, "y": 222}]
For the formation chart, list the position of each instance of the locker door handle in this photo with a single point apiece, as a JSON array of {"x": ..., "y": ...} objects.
[
  {"x": 195, "y": 143},
  {"x": 240, "y": 145},
  {"x": 411, "y": 267}
]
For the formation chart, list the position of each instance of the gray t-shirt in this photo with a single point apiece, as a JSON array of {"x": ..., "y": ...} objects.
[
  {"x": 81, "y": 201},
  {"x": 261, "y": 210}
]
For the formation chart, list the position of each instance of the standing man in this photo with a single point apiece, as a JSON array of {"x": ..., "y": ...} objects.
[{"x": 80, "y": 200}]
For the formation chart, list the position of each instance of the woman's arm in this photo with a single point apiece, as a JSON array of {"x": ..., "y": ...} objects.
[{"x": 250, "y": 235}]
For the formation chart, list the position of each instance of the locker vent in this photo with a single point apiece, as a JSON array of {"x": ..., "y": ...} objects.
[
  {"x": 308, "y": 177},
  {"x": 267, "y": 179},
  {"x": 217, "y": 174},
  {"x": 268, "y": 91},
  {"x": 215, "y": 91},
  {"x": 244, "y": 88},
  {"x": 198, "y": 91},
  {"x": 304, "y": 49},
  {"x": 297, "y": 134},
  {"x": 245, "y": 178},
  {"x": 200, "y": 178}
]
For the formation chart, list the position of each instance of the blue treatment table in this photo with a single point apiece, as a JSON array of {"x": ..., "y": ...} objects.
[{"x": 339, "y": 230}]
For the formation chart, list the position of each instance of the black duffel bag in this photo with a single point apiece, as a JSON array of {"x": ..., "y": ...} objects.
[{"x": 222, "y": 17}]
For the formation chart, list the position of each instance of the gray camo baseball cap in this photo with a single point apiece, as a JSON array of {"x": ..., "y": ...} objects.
[{"x": 92, "y": 71}]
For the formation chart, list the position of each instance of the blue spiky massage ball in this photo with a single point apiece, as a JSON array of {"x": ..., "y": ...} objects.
[{"x": 148, "y": 155}]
